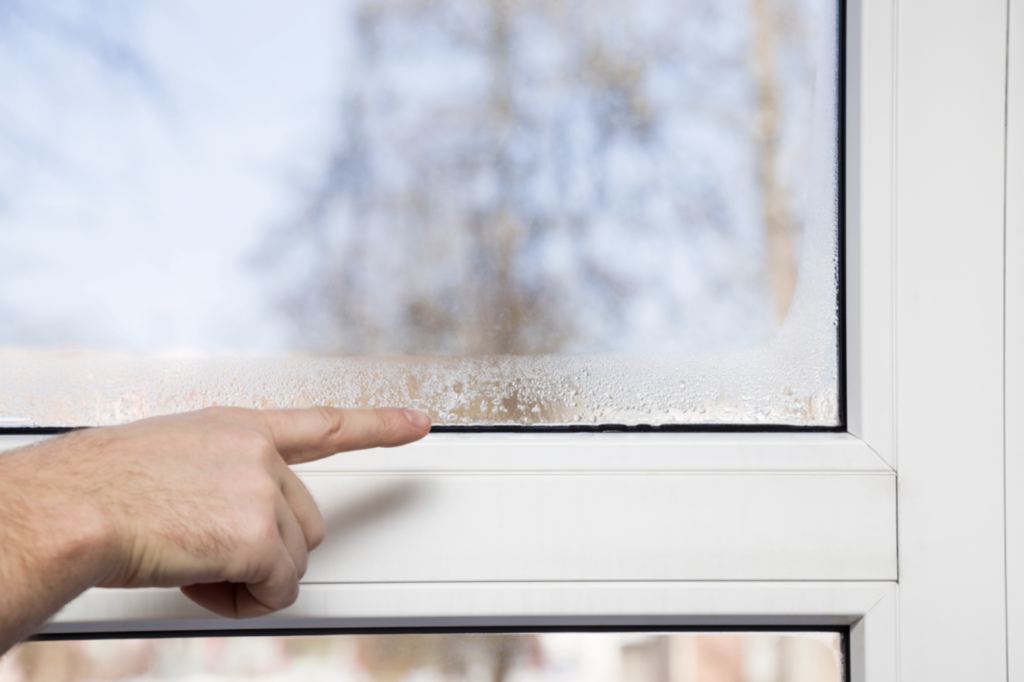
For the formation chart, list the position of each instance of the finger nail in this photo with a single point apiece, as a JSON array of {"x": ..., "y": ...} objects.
[{"x": 418, "y": 419}]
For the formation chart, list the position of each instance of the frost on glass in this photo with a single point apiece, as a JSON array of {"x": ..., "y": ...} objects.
[
  {"x": 498, "y": 657},
  {"x": 521, "y": 213}
]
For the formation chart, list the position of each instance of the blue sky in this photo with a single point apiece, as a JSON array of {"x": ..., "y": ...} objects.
[
  {"x": 133, "y": 203},
  {"x": 137, "y": 184}
]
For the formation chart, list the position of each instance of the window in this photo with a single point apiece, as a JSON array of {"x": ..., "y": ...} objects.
[
  {"x": 594, "y": 656},
  {"x": 509, "y": 214}
]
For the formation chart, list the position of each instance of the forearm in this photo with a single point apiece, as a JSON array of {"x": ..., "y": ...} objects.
[{"x": 53, "y": 539}]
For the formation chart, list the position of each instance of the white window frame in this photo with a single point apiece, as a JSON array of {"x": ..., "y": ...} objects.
[
  {"x": 896, "y": 528},
  {"x": 1014, "y": 345}
]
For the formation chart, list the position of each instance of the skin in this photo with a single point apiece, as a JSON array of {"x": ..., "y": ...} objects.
[{"x": 203, "y": 501}]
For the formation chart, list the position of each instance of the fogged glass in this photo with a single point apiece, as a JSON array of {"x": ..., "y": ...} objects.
[
  {"x": 504, "y": 212},
  {"x": 548, "y": 657}
]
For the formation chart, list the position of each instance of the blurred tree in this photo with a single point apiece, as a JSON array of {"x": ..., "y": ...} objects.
[
  {"x": 509, "y": 176},
  {"x": 777, "y": 24}
]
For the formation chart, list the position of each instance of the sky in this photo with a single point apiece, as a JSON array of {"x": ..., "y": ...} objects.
[
  {"x": 136, "y": 196},
  {"x": 148, "y": 149}
]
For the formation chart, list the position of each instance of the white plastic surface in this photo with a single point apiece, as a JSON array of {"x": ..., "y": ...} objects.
[
  {"x": 949, "y": 350},
  {"x": 1014, "y": 415},
  {"x": 517, "y": 604}
]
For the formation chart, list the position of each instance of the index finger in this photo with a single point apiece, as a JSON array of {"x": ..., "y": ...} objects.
[{"x": 318, "y": 432}]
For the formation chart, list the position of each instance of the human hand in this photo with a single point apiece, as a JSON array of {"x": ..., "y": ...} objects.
[{"x": 205, "y": 501}]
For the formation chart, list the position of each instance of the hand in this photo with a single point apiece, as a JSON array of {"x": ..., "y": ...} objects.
[{"x": 205, "y": 501}]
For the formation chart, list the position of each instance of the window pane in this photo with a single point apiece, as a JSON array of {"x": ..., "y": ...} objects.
[
  {"x": 505, "y": 212},
  {"x": 562, "y": 657}
]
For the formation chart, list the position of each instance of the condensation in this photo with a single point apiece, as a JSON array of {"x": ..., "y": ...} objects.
[
  {"x": 792, "y": 379},
  {"x": 86, "y": 390}
]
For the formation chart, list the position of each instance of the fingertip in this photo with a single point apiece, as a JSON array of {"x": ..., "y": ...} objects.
[
  {"x": 419, "y": 419},
  {"x": 398, "y": 426}
]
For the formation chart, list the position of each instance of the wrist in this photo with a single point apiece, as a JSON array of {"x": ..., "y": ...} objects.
[
  {"x": 55, "y": 540},
  {"x": 92, "y": 533},
  {"x": 54, "y": 511}
]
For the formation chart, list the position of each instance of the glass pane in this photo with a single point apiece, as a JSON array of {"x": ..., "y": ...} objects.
[
  {"x": 562, "y": 657},
  {"x": 504, "y": 212}
]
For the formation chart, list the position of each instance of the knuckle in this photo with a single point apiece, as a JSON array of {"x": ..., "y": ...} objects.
[
  {"x": 265, "y": 453},
  {"x": 221, "y": 413},
  {"x": 210, "y": 412},
  {"x": 387, "y": 425},
  {"x": 264, "y": 493},
  {"x": 334, "y": 421},
  {"x": 262, "y": 533},
  {"x": 254, "y": 445}
]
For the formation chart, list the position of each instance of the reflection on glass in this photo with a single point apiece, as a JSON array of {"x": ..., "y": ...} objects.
[
  {"x": 502, "y": 211},
  {"x": 562, "y": 657}
]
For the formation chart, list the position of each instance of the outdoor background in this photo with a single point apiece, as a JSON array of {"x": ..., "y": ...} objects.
[
  {"x": 547, "y": 657},
  {"x": 413, "y": 178}
]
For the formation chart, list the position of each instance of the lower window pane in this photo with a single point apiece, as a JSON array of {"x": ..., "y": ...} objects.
[{"x": 492, "y": 657}]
